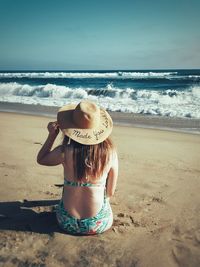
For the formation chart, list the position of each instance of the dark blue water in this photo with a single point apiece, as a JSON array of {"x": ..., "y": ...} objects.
[{"x": 159, "y": 79}]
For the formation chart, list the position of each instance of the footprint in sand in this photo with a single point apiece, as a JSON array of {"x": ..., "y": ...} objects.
[
  {"x": 186, "y": 256},
  {"x": 186, "y": 247},
  {"x": 180, "y": 254},
  {"x": 197, "y": 236},
  {"x": 123, "y": 222}
]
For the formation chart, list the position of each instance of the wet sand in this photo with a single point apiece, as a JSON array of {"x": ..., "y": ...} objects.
[
  {"x": 119, "y": 118},
  {"x": 156, "y": 206}
]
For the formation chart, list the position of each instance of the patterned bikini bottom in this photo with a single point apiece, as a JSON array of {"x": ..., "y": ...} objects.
[{"x": 89, "y": 226}]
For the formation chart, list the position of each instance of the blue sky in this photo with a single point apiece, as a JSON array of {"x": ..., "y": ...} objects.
[{"x": 94, "y": 34}]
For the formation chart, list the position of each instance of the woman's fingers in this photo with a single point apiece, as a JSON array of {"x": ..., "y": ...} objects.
[{"x": 53, "y": 127}]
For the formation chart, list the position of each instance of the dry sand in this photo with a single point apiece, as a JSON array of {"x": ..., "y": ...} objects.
[{"x": 156, "y": 206}]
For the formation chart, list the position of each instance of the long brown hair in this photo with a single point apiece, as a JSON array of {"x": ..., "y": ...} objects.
[{"x": 89, "y": 160}]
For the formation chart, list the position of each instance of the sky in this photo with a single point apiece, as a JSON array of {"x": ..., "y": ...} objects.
[{"x": 99, "y": 35}]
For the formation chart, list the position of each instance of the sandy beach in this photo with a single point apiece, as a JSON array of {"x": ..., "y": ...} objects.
[{"x": 156, "y": 207}]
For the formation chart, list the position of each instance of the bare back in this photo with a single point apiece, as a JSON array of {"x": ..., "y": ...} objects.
[{"x": 79, "y": 201}]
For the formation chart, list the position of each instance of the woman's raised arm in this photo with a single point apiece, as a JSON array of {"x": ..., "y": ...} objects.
[{"x": 46, "y": 156}]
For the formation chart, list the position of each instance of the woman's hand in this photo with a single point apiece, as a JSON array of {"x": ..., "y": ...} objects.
[{"x": 53, "y": 128}]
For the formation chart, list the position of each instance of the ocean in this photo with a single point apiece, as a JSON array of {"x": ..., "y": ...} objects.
[{"x": 165, "y": 93}]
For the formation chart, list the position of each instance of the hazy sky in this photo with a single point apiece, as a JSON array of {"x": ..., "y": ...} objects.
[{"x": 99, "y": 34}]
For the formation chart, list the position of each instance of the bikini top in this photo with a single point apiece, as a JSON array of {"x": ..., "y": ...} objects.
[{"x": 102, "y": 183}]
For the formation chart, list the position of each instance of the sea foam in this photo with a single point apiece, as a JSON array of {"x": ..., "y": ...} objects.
[{"x": 173, "y": 103}]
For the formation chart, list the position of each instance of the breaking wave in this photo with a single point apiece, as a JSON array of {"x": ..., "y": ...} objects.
[{"x": 171, "y": 102}]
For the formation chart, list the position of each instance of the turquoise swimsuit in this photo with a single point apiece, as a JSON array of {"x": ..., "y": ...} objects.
[{"x": 93, "y": 225}]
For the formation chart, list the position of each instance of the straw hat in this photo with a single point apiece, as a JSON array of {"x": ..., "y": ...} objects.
[{"x": 85, "y": 123}]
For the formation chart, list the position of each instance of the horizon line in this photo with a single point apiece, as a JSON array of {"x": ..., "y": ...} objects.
[{"x": 75, "y": 70}]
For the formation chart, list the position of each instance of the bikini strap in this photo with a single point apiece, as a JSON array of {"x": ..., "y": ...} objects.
[{"x": 67, "y": 182}]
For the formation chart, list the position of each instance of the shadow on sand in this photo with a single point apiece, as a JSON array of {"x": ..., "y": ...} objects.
[{"x": 32, "y": 216}]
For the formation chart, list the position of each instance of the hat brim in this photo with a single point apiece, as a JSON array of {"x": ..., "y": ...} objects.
[{"x": 84, "y": 136}]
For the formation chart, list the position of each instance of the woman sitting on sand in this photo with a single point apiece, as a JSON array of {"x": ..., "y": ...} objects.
[{"x": 90, "y": 167}]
